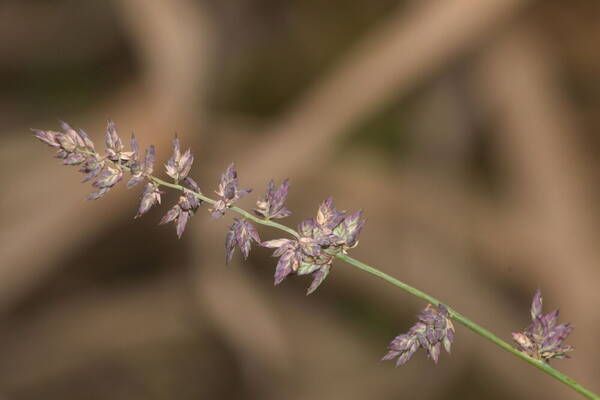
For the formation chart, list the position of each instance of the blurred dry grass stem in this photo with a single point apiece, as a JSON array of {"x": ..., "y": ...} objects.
[{"x": 492, "y": 193}]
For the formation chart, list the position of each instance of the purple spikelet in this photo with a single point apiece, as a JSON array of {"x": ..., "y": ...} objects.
[
  {"x": 434, "y": 330},
  {"x": 271, "y": 206},
  {"x": 320, "y": 238},
  {"x": 179, "y": 165},
  {"x": 181, "y": 212},
  {"x": 150, "y": 197},
  {"x": 228, "y": 192},
  {"x": 290, "y": 257},
  {"x": 328, "y": 217},
  {"x": 543, "y": 339},
  {"x": 141, "y": 171},
  {"x": 241, "y": 234},
  {"x": 75, "y": 147},
  {"x": 113, "y": 143}
]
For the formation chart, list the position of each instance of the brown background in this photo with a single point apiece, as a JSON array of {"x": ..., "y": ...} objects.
[{"x": 467, "y": 130}]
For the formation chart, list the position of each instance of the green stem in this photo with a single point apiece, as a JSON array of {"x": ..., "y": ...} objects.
[
  {"x": 406, "y": 287},
  {"x": 473, "y": 326}
]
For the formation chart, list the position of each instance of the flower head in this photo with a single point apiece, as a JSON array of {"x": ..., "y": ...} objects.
[
  {"x": 70, "y": 143},
  {"x": 139, "y": 171},
  {"x": 241, "y": 234},
  {"x": 150, "y": 197},
  {"x": 113, "y": 143},
  {"x": 228, "y": 192},
  {"x": 75, "y": 147},
  {"x": 181, "y": 212},
  {"x": 335, "y": 228},
  {"x": 179, "y": 165},
  {"x": 434, "y": 330},
  {"x": 543, "y": 339},
  {"x": 319, "y": 239},
  {"x": 290, "y": 257},
  {"x": 271, "y": 206}
]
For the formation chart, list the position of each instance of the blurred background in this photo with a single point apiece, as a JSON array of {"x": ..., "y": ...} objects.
[{"x": 467, "y": 130}]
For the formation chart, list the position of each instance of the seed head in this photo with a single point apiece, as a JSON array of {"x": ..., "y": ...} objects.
[
  {"x": 241, "y": 234},
  {"x": 544, "y": 338},
  {"x": 228, "y": 192},
  {"x": 271, "y": 205},
  {"x": 434, "y": 330}
]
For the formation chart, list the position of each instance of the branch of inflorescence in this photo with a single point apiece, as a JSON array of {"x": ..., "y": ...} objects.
[{"x": 542, "y": 365}]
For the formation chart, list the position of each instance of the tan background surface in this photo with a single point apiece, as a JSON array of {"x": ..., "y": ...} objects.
[{"x": 467, "y": 131}]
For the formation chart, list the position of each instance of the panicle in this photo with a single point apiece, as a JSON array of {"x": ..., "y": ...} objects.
[{"x": 312, "y": 250}]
